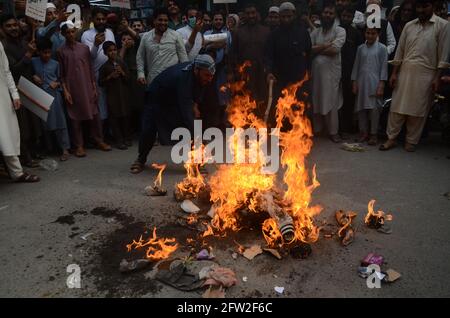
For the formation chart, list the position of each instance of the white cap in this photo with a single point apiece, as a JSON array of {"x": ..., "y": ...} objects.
[
  {"x": 69, "y": 24},
  {"x": 287, "y": 6},
  {"x": 50, "y": 6},
  {"x": 274, "y": 9}
]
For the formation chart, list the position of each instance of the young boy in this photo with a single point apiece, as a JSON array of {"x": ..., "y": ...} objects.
[
  {"x": 369, "y": 75},
  {"x": 46, "y": 75},
  {"x": 113, "y": 76}
]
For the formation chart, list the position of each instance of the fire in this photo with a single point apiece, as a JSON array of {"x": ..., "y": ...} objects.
[
  {"x": 242, "y": 186},
  {"x": 158, "y": 180},
  {"x": 194, "y": 182},
  {"x": 157, "y": 248},
  {"x": 375, "y": 219},
  {"x": 208, "y": 232}
]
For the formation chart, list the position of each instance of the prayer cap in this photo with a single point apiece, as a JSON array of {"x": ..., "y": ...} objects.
[
  {"x": 287, "y": 6},
  {"x": 274, "y": 9},
  {"x": 206, "y": 62}
]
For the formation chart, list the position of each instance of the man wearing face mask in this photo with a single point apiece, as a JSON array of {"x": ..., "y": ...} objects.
[
  {"x": 94, "y": 39},
  {"x": 191, "y": 33}
]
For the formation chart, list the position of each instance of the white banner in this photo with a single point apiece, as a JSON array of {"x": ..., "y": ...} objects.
[
  {"x": 120, "y": 4},
  {"x": 34, "y": 98},
  {"x": 36, "y": 9}
]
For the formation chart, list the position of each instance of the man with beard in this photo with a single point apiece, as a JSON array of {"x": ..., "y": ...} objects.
[
  {"x": 19, "y": 54},
  {"x": 159, "y": 49},
  {"x": 249, "y": 43},
  {"x": 50, "y": 30},
  {"x": 80, "y": 89},
  {"x": 353, "y": 39},
  {"x": 273, "y": 18},
  {"x": 173, "y": 98},
  {"x": 94, "y": 39},
  {"x": 288, "y": 53},
  {"x": 421, "y": 55},
  {"x": 327, "y": 42}
]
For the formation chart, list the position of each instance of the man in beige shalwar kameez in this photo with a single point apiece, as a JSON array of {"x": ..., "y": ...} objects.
[
  {"x": 327, "y": 42},
  {"x": 9, "y": 127},
  {"x": 417, "y": 64}
]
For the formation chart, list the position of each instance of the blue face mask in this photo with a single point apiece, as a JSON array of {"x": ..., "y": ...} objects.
[{"x": 192, "y": 21}]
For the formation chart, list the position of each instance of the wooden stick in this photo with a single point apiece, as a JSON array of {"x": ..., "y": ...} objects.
[{"x": 269, "y": 102}]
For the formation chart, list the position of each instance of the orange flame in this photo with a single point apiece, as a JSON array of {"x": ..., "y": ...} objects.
[
  {"x": 375, "y": 217},
  {"x": 242, "y": 186},
  {"x": 158, "y": 180},
  {"x": 157, "y": 248},
  {"x": 208, "y": 232},
  {"x": 194, "y": 182}
]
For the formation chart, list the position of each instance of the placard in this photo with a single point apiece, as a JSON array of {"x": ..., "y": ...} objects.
[
  {"x": 34, "y": 98},
  {"x": 36, "y": 9}
]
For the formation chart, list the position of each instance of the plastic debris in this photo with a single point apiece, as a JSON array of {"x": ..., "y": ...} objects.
[
  {"x": 272, "y": 251},
  {"x": 212, "y": 212},
  {"x": 385, "y": 228},
  {"x": 48, "y": 164},
  {"x": 234, "y": 255},
  {"x": 85, "y": 236},
  {"x": 372, "y": 258},
  {"x": 221, "y": 276},
  {"x": 251, "y": 252},
  {"x": 279, "y": 289},
  {"x": 126, "y": 266},
  {"x": 244, "y": 279},
  {"x": 189, "y": 207},
  {"x": 204, "y": 255},
  {"x": 352, "y": 147},
  {"x": 155, "y": 191},
  {"x": 346, "y": 232},
  {"x": 392, "y": 276}
]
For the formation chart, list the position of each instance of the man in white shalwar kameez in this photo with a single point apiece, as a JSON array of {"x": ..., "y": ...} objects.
[
  {"x": 9, "y": 127},
  {"x": 327, "y": 42},
  {"x": 420, "y": 57}
]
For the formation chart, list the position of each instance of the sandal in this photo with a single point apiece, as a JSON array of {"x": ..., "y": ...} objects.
[
  {"x": 388, "y": 145},
  {"x": 64, "y": 157},
  {"x": 27, "y": 178},
  {"x": 137, "y": 167}
]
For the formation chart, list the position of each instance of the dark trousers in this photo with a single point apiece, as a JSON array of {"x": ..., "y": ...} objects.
[
  {"x": 346, "y": 122},
  {"x": 120, "y": 127},
  {"x": 95, "y": 127},
  {"x": 148, "y": 134}
]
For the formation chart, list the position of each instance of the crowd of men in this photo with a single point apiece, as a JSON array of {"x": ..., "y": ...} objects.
[{"x": 115, "y": 77}]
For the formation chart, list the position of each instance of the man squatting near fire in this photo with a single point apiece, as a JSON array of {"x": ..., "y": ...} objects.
[{"x": 173, "y": 102}]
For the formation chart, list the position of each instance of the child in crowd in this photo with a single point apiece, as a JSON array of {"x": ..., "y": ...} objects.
[
  {"x": 46, "y": 75},
  {"x": 114, "y": 77},
  {"x": 369, "y": 76}
]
